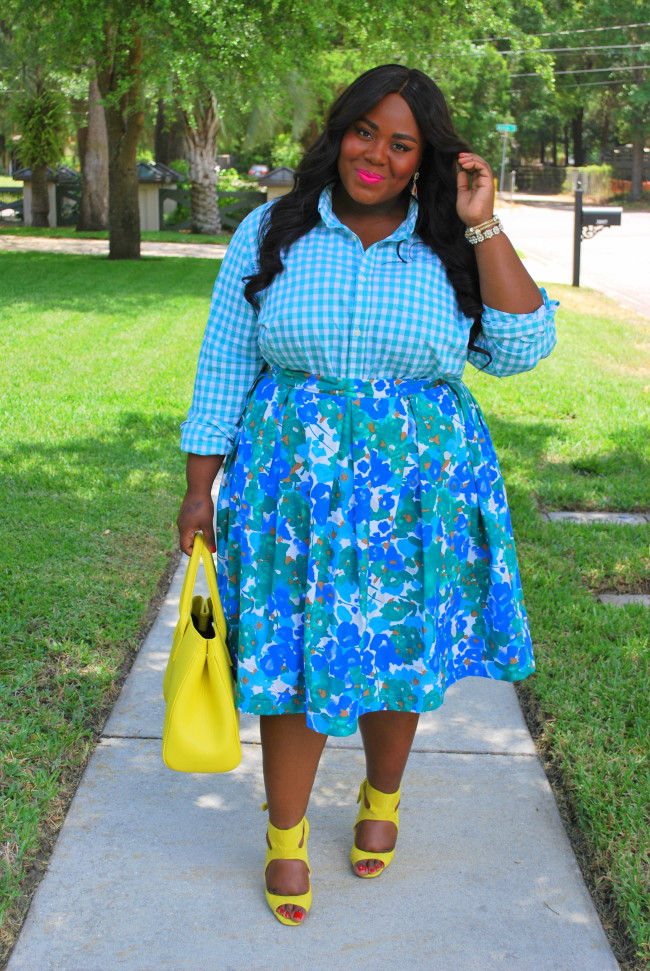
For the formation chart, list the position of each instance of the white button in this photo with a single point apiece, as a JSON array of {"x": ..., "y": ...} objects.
[
  {"x": 356, "y": 332},
  {"x": 362, "y": 278}
]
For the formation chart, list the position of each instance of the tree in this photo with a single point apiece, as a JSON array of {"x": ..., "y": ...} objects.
[
  {"x": 224, "y": 52},
  {"x": 634, "y": 123},
  {"x": 200, "y": 126},
  {"x": 599, "y": 88},
  {"x": 93, "y": 153},
  {"x": 119, "y": 77},
  {"x": 471, "y": 74},
  {"x": 35, "y": 105},
  {"x": 169, "y": 138},
  {"x": 40, "y": 116},
  {"x": 108, "y": 34}
]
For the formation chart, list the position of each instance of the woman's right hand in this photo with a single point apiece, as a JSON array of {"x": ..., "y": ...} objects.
[
  {"x": 197, "y": 509},
  {"x": 196, "y": 515}
]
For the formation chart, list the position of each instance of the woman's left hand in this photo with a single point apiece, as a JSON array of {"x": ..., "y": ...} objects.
[{"x": 475, "y": 202}]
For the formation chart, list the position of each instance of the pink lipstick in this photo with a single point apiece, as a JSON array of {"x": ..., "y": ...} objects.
[{"x": 370, "y": 178}]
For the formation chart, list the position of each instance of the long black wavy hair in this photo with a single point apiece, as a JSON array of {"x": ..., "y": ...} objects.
[{"x": 438, "y": 223}]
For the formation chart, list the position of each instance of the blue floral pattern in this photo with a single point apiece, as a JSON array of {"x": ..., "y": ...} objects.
[{"x": 365, "y": 550}]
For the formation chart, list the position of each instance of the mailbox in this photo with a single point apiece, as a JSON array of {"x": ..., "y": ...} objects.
[
  {"x": 601, "y": 216},
  {"x": 587, "y": 222}
]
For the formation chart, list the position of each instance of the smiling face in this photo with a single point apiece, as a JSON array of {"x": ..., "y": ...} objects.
[{"x": 380, "y": 153}]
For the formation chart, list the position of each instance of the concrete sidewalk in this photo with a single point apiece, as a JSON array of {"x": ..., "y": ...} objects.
[
  {"x": 99, "y": 247},
  {"x": 160, "y": 871}
]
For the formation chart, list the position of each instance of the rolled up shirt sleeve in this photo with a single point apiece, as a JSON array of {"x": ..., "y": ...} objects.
[
  {"x": 516, "y": 342},
  {"x": 229, "y": 360}
]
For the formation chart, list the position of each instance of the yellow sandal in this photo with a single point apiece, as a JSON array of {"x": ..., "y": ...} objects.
[
  {"x": 383, "y": 807},
  {"x": 285, "y": 846}
]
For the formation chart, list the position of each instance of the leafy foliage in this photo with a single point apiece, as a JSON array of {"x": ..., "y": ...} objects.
[
  {"x": 286, "y": 151},
  {"x": 40, "y": 117}
]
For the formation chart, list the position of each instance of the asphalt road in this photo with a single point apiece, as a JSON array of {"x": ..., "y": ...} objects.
[{"x": 616, "y": 261}]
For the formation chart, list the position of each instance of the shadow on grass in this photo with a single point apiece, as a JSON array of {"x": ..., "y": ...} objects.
[
  {"x": 618, "y": 478},
  {"x": 91, "y": 528}
]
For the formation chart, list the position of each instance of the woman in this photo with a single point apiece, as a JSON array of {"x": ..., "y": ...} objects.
[{"x": 365, "y": 552}]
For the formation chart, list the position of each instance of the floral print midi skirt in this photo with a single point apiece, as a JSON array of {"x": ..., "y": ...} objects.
[{"x": 364, "y": 549}]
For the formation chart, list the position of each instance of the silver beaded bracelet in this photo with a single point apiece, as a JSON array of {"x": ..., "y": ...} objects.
[{"x": 477, "y": 234}]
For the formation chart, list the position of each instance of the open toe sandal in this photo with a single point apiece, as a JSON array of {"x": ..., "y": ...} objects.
[
  {"x": 285, "y": 845},
  {"x": 383, "y": 806}
]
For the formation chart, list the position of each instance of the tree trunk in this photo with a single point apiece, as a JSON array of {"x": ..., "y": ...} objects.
[
  {"x": 637, "y": 165},
  {"x": 542, "y": 151},
  {"x": 169, "y": 137},
  {"x": 93, "y": 210},
  {"x": 554, "y": 148},
  {"x": 200, "y": 135},
  {"x": 576, "y": 129},
  {"x": 122, "y": 94},
  {"x": 566, "y": 145},
  {"x": 40, "y": 196}
]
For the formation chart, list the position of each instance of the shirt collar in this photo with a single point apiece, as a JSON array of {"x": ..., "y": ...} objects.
[{"x": 404, "y": 231}]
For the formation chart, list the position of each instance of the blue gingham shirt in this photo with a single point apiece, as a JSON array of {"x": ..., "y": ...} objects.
[{"x": 339, "y": 311}]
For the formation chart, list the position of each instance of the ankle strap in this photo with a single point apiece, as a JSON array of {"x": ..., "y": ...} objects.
[
  {"x": 285, "y": 843},
  {"x": 381, "y": 804}
]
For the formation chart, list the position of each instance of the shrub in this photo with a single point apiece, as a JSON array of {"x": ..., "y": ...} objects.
[
  {"x": 286, "y": 152},
  {"x": 595, "y": 179}
]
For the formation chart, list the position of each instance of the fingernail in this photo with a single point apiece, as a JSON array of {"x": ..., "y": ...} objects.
[{"x": 213, "y": 549}]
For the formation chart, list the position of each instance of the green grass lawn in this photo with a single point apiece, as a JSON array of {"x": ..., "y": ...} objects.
[
  {"x": 97, "y": 372},
  {"x": 575, "y": 434},
  {"x": 69, "y": 232}
]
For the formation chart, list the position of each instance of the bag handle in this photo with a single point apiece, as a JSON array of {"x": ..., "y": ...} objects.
[{"x": 200, "y": 551}]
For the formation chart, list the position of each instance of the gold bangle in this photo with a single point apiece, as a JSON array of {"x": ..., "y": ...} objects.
[
  {"x": 488, "y": 222},
  {"x": 478, "y": 234}
]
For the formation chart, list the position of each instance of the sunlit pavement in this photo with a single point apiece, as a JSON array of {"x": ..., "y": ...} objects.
[
  {"x": 155, "y": 869},
  {"x": 99, "y": 247},
  {"x": 615, "y": 261}
]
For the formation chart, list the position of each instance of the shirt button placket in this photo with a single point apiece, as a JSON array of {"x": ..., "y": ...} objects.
[{"x": 360, "y": 313}]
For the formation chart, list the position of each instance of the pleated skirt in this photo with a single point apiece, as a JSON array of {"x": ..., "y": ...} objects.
[{"x": 364, "y": 548}]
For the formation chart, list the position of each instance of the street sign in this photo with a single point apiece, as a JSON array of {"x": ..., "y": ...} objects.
[{"x": 503, "y": 127}]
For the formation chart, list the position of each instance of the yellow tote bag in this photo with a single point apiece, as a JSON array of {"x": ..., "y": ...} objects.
[{"x": 201, "y": 730}]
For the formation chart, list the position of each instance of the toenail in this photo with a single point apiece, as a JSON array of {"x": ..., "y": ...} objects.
[{"x": 298, "y": 915}]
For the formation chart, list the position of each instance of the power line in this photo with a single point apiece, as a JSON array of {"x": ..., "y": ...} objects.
[
  {"x": 584, "y": 84},
  {"x": 545, "y": 50},
  {"x": 556, "y": 33},
  {"x": 584, "y": 70},
  {"x": 563, "y": 50},
  {"x": 590, "y": 84}
]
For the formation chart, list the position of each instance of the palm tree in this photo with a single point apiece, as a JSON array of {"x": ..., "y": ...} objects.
[
  {"x": 200, "y": 125},
  {"x": 39, "y": 112}
]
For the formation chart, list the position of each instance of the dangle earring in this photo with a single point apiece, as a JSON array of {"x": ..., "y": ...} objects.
[{"x": 414, "y": 187}]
